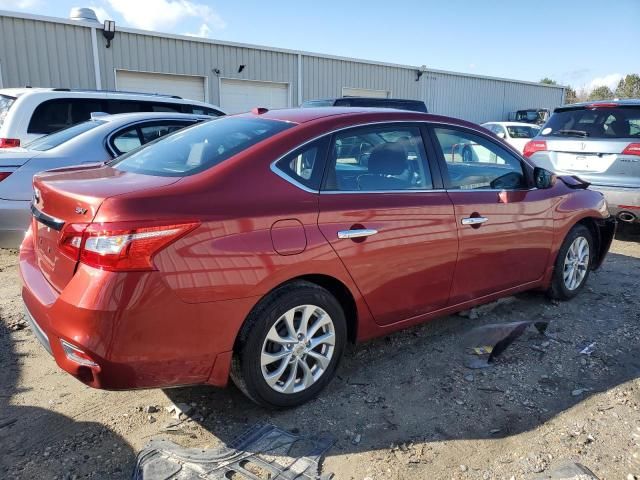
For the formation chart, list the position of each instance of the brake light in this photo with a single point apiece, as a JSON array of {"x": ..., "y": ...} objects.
[
  {"x": 4, "y": 175},
  {"x": 602, "y": 105},
  {"x": 119, "y": 246},
  {"x": 632, "y": 149},
  {"x": 534, "y": 146},
  {"x": 9, "y": 142}
]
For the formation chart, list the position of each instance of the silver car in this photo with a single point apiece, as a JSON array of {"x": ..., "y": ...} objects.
[
  {"x": 600, "y": 143},
  {"x": 97, "y": 140}
]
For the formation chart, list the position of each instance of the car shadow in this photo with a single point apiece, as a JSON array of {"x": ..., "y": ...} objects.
[
  {"x": 413, "y": 385},
  {"x": 628, "y": 232},
  {"x": 39, "y": 443}
]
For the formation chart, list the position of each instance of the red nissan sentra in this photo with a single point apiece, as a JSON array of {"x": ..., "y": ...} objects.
[{"x": 255, "y": 246}]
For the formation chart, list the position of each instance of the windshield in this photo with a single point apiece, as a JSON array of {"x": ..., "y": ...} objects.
[
  {"x": 527, "y": 115},
  {"x": 606, "y": 122},
  {"x": 5, "y": 104},
  {"x": 521, "y": 131},
  {"x": 53, "y": 140},
  {"x": 198, "y": 148}
]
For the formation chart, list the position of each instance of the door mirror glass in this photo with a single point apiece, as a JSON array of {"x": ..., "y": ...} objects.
[{"x": 543, "y": 178}]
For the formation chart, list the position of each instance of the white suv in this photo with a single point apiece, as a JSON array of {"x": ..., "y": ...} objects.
[{"x": 30, "y": 113}]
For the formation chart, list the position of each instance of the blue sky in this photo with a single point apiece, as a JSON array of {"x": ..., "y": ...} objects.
[{"x": 583, "y": 43}]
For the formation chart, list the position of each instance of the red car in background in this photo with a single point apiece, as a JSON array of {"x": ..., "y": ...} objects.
[{"x": 255, "y": 246}]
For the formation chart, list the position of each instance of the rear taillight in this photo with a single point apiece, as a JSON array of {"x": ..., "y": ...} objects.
[
  {"x": 119, "y": 246},
  {"x": 534, "y": 146},
  {"x": 9, "y": 142},
  {"x": 4, "y": 175},
  {"x": 632, "y": 149}
]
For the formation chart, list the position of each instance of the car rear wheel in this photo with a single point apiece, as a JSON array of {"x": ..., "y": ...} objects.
[
  {"x": 290, "y": 346},
  {"x": 573, "y": 264}
]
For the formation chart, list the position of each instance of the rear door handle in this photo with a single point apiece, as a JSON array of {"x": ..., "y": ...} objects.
[
  {"x": 474, "y": 220},
  {"x": 357, "y": 233}
]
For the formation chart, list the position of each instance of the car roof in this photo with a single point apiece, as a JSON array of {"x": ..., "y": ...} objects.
[
  {"x": 364, "y": 114},
  {"x": 633, "y": 102},
  {"x": 512, "y": 124},
  {"x": 102, "y": 94},
  {"x": 133, "y": 117}
]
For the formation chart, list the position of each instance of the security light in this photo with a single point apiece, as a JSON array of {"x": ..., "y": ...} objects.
[
  {"x": 240, "y": 68},
  {"x": 109, "y": 31}
]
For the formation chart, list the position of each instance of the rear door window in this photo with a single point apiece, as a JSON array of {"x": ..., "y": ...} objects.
[
  {"x": 201, "y": 147},
  {"x": 53, "y": 115},
  {"x": 475, "y": 163}
]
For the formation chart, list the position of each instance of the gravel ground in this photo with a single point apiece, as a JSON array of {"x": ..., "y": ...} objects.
[{"x": 403, "y": 406}]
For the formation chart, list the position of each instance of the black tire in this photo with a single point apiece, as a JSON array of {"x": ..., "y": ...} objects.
[
  {"x": 559, "y": 289},
  {"x": 246, "y": 369}
]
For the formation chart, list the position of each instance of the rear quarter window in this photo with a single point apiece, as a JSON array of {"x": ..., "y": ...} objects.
[{"x": 5, "y": 104}]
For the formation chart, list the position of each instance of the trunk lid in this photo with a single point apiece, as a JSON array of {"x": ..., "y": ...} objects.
[
  {"x": 16, "y": 157},
  {"x": 73, "y": 196}
]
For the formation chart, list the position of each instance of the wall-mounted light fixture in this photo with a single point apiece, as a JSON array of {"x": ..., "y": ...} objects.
[
  {"x": 216, "y": 71},
  {"x": 420, "y": 72},
  {"x": 240, "y": 68},
  {"x": 109, "y": 31}
]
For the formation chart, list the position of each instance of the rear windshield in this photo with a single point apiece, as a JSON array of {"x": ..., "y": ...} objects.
[
  {"x": 528, "y": 115},
  {"x": 617, "y": 122},
  {"x": 5, "y": 104},
  {"x": 522, "y": 131},
  {"x": 200, "y": 147},
  {"x": 48, "y": 142}
]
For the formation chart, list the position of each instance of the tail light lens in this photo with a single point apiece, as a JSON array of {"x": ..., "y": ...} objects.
[
  {"x": 534, "y": 146},
  {"x": 9, "y": 142},
  {"x": 632, "y": 149},
  {"x": 4, "y": 175},
  {"x": 118, "y": 246}
]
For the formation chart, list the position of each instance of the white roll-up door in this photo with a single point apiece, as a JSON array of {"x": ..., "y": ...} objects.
[
  {"x": 364, "y": 92},
  {"x": 185, "y": 86},
  {"x": 242, "y": 95}
]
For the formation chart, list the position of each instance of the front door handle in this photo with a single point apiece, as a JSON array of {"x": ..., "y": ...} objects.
[
  {"x": 474, "y": 220},
  {"x": 357, "y": 233}
]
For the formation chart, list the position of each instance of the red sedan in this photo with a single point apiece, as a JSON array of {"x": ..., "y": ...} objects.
[{"x": 255, "y": 246}]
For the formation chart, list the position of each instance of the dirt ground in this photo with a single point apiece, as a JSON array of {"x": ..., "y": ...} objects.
[{"x": 403, "y": 406}]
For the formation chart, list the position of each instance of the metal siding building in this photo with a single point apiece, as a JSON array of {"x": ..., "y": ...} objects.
[{"x": 52, "y": 52}]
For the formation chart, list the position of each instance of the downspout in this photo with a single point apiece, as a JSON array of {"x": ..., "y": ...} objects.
[{"x": 96, "y": 60}]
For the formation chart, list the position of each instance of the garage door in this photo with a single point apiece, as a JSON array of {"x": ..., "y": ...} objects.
[
  {"x": 364, "y": 92},
  {"x": 184, "y": 86},
  {"x": 242, "y": 95}
]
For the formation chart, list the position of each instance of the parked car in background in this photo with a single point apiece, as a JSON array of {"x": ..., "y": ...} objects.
[
  {"x": 97, "y": 140},
  {"x": 536, "y": 116},
  {"x": 168, "y": 266},
  {"x": 30, "y": 113},
  {"x": 599, "y": 142},
  {"x": 399, "y": 103},
  {"x": 514, "y": 133}
]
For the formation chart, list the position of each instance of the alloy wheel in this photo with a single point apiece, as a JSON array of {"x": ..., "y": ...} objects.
[
  {"x": 576, "y": 263},
  {"x": 298, "y": 349}
]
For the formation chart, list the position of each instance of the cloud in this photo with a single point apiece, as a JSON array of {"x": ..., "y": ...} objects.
[
  {"x": 165, "y": 15},
  {"x": 19, "y": 4},
  {"x": 203, "y": 31},
  {"x": 611, "y": 80}
]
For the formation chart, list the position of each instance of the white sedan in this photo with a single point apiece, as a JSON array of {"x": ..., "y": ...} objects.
[{"x": 515, "y": 133}]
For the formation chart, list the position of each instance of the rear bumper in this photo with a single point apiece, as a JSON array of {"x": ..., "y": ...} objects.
[
  {"x": 131, "y": 326},
  {"x": 621, "y": 200},
  {"x": 14, "y": 221}
]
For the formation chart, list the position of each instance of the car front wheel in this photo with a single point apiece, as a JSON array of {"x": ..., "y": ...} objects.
[
  {"x": 290, "y": 346},
  {"x": 573, "y": 263}
]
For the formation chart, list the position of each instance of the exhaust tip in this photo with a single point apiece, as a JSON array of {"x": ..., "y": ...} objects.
[{"x": 626, "y": 217}]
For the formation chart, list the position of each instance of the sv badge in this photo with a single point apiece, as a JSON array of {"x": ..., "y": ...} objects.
[{"x": 81, "y": 211}]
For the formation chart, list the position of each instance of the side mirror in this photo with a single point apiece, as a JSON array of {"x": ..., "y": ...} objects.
[
  {"x": 543, "y": 178},
  {"x": 501, "y": 134}
]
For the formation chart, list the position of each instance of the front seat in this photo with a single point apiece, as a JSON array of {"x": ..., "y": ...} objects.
[{"x": 387, "y": 163}]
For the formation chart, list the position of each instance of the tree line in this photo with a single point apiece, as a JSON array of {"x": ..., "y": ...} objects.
[{"x": 628, "y": 87}]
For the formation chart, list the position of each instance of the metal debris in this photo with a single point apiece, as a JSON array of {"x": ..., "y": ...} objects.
[
  {"x": 489, "y": 341},
  {"x": 263, "y": 451},
  {"x": 568, "y": 471},
  {"x": 589, "y": 349}
]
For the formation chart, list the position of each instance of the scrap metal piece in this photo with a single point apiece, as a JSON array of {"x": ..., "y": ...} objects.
[
  {"x": 568, "y": 471},
  {"x": 263, "y": 451},
  {"x": 488, "y": 342}
]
